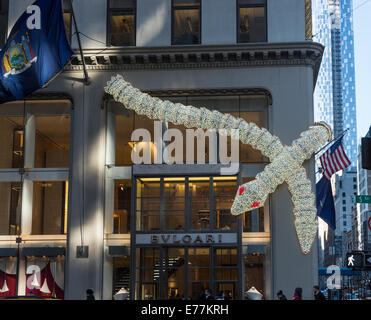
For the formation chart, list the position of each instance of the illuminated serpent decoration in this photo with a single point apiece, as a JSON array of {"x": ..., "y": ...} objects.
[{"x": 286, "y": 161}]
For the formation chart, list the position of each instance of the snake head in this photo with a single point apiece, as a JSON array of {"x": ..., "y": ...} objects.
[{"x": 247, "y": 199}]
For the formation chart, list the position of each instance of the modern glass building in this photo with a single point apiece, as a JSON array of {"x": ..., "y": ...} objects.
[
  {"x": 334, "y": 102},
  {"x": 334, "y": 98}
]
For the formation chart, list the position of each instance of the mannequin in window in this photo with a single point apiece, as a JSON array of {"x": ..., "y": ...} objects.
[
  {"x": 244, "y": 27},
  {"x": 188, "y": 37},
  {"x": 126, "y": 26}
]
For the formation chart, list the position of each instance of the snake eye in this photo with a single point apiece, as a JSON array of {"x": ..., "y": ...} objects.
[
  {"x": 255, "y": 204},
  {"x": 241, "y": 190}
]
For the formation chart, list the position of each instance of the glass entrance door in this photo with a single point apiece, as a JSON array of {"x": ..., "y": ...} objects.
[
  {"x": 185, "y": 272},
  {"x": 173, "y": 273}
]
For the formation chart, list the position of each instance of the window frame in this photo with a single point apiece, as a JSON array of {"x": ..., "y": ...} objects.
[
  {"x": 34, "y": 174},
  {"x": 239, "y": 6},
  {"x": 118, "y": 11},
  {"x": 188, "y": 225},
  {"x": 4, "y": 10},
  {"x": 173, "y": 8}
]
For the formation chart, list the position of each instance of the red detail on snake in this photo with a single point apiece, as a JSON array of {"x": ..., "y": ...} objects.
[
  {"x": 255, "y": 204},
  {"x": 241, "y": 190}
]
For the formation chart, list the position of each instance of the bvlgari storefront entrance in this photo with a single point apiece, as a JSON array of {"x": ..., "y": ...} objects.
[{"x": 185, "y": 237}]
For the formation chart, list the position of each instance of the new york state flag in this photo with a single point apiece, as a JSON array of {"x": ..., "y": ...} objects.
[{"x": 31, "y": 57}]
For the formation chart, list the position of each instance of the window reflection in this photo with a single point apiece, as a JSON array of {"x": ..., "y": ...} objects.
[
  {"x": 122, "y": 22},
  {"x": 121, "y": 274},
  {"x": 148, "y": 204},
  {"x": 11, "y": 142},
  {"x": 252, "y": 21},
  {"x": 49, "y": 213},
  {"x": 199, "y": 202},
  {"x": 166, "y": 198},
  {"x": 10, "y": 207},
  {"x": 186, "y": 22},
  {"x": 224, "y": 193},
  {"x": 174, "y": 197},
  {"x": 254, "y": 271},
  {"x": 169, "y": 272},
  {"x": 52, "y": 142}
]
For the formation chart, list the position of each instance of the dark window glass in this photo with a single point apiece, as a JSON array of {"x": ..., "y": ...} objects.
[
  {"x": 11, "y": 142},
  {"x": 10, "y": 207},
  {"x": 186, "y": 26},
  {"x": 174, "y": 193},
  {"x": 67, "y": 16},
  {"x": 254, "y": 272},
  {"x": 252, "y": 21},
  {"x": 122, "y": 207},
  {"x": 122, "y": 22},
  {"x": 224, "y": 193},
  {"x": 161, "y": 203},
  {"x": 161, "y": 273},
  {"x": 4, "y": 4},
  {"x": 199, "y": 202},
  {"x": 148, "y": 204},
  {"x": 121, "y": 275}
]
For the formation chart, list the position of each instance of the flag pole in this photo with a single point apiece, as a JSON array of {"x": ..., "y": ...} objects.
[
  {"x": 338, "y": 137},
  {"x": 87, "y": 81}
]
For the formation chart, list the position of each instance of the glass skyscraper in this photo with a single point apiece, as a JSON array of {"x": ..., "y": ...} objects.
[
  {"x": 334, "y": 98},
  {"x": 335, "y": 103}
]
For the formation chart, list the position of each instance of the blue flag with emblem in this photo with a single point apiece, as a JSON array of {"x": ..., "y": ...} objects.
[
  {"x": 32, "y": 56},
  {"x": 325, "y": 202}
]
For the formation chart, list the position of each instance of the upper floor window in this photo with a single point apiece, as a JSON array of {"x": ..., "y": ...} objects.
[
  {"x": 185, "y": 203},
  {"x": 121, "y": 22},
  {"x": 67, "y": 16},
  {"x": 34, "y": 134},
  {"x": 252, "y": 20},
  {"x": 186, "y": 22},
  {"x": 308, "y": 19},
  {"x": 250, "y": 108},
  {"x": 4, "y": 5}
]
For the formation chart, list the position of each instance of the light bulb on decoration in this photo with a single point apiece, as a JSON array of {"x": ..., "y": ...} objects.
[{"x": 286, "y": 161}]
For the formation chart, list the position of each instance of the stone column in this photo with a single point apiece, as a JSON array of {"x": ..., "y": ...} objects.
[{"x": 86, "y": 198}]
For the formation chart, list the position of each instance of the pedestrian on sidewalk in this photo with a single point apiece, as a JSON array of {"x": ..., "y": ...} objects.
[
  {"x": 298, "y": 294},
  {"x": 318, "y": 295},
  {"x": 281, "y": 296}
]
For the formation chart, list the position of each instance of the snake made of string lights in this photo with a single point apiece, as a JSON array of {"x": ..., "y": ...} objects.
[{"x": 286, "y": 161}]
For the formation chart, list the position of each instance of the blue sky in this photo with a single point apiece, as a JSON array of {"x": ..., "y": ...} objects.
[{"x": 362, "y": 52}]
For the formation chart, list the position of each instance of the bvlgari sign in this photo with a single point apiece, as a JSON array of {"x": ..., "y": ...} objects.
[{"x": 187, "y": 238}]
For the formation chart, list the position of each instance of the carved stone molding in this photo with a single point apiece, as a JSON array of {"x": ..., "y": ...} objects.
[{"x": 181, "y": 57}]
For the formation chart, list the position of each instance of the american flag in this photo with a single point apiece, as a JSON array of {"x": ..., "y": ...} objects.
[{"x": 334, "y": 159}]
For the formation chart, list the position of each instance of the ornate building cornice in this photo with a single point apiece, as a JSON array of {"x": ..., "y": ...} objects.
[{"x": 201, "y": 57}]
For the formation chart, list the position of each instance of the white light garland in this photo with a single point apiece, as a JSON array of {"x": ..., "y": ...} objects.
[{"x": 286, "y": 161}]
